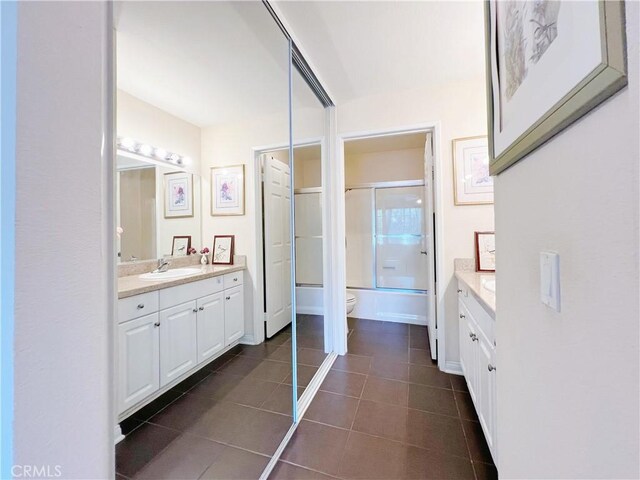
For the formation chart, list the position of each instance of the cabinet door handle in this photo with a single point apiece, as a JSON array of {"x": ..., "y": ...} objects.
[
  {"x": 157, "y": 324},
  {"x": 140, "y": 306},
  {"x": 473, "y": 337},
  {"x": 459, "y": 291},
  {"x": 201, "y": 308},
  {"x": 235, "y": 279},
  {"x": 491, "y": 368},
  {"x": 462, "y": 316},
  {"x": 228, "y": 298},
  {"x": 195, "y": 310}
]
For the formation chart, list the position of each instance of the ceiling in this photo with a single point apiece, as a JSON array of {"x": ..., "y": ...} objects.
[
  {"x": 215, "y": 62},
  {"x": 205, "y": 62},
  {"x": 365, "y": 48},
  {"x": 386, "y": 143}
]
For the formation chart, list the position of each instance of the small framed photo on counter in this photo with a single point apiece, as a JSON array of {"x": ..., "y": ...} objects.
[
  {"x": 180, "y": 246},
  {"x": 222, "y": 250},
  {"x": 485, "y": 252}
]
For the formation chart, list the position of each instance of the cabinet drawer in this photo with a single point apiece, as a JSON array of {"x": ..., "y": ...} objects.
[
  {"x": 232, "y": 279},
  {"x": 137, "y": 306},
  {"x": 170, "y": 297}
]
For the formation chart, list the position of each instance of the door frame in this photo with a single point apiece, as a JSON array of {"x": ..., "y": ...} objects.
[
  {"x": 438, "y": 203},
  {"x": 258, "y": 307}
]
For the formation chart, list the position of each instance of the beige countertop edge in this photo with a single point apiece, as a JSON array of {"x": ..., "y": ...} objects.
[
  {"x": 133, "y": 285},
  {"x": 473, "y": 280}
]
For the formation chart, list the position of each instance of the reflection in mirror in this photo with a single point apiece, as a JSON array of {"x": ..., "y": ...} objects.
[
  {"x": 208, "y": 81},
  {"x": 308, "y": 123},
  {"x": 155, "y": 204}
]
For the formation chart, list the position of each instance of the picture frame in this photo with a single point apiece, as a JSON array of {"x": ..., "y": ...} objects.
[
  {"x": 227, "y": 190},
  {"x": 178, "y": 195},
  {"x": 223, "y": 250},
  {"x": 547, "y": 65},
  {"x": 180, "y": 245},
  {"x": 472, "y": 182},
  {"x": 485, "y": 247}
]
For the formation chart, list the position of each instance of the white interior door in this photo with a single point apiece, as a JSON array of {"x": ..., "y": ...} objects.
[
  {"x": 429, "y": 243},
  {"x": 277, "y": 244}
]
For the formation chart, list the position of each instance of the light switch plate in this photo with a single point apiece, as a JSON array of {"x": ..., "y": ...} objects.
[{"x": 550, "y": 280}]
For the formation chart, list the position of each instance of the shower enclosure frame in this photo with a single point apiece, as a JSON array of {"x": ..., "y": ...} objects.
[{"x": 437, "y": 299}]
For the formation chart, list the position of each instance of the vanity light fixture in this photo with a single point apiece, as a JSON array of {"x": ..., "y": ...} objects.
[{"x": 149, "y": 151}]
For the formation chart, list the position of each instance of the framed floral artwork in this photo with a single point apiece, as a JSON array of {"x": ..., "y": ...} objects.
[
  {"x": 178, "y": 195},
  {"x": 227, "y": 190},
  {"x": 222, "y": 250},
  {"x": 472, "y": 183},
  {"x": 549, "y": 62}
]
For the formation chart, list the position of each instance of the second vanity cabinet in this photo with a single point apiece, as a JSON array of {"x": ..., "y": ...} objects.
[
  {"x": 478, "y": 361},
  {"x": 192, "y": 324}
]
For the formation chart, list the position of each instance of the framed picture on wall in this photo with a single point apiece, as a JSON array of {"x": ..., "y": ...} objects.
[
  {"x": 485, "y": 251},
  {"x": 222, "y": 250},
  {"x": 178, "y": 195},
  {"x": 227, "y": 190},
  {"x": 180, "y": 246},
  {"x": 472, "y": 183},
  {"x": 548, "y": 64}
]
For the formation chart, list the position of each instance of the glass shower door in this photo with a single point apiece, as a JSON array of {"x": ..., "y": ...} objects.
[{"x": 401, "y": 261}]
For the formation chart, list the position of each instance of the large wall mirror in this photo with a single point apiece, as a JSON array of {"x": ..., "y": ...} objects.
[{"x": 157, "y": 206}]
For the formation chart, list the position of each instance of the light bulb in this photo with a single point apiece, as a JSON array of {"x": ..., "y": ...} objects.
[
  {"x": 160, "y": 153},
  {"x": 145, "y": 150},
  {"x": 174, "y": 157},
  {"x": 128, "y": 143},
  {"x": 186, "y": 160}
]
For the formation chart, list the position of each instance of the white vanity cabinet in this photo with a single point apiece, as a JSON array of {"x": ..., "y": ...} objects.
[
  {"x": 138, "y": 360},
  {"x": 233, "y": 314},
  {"x": 166, "y": 335},
  {"x": 477, "y": 360},
  {"x": 211, "y": 326},
  {"x": 178, "y": 341}
]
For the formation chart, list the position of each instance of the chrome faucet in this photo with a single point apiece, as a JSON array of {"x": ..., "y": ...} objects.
[{"x": 163, "y": 266}]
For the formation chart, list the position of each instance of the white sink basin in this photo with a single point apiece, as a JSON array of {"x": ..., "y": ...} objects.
[
  {"x": 170, "y": 274},
  {"x": 489, "y": 285}
]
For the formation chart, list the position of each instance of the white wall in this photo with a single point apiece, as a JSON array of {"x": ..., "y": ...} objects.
[
  {"x": 568, "y": 382},
  {"x": 386, "y": 166},
  {"x": 64, "y": 236},
  {"x": 233, "y": 144},
  {"x": 461, "y": 111}
]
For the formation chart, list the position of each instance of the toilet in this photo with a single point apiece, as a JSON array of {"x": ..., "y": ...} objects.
[{"x": 351, "y": 303}]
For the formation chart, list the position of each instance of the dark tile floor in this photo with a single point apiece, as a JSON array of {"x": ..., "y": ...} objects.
[
  {"x": 385, "y": 411},
  {"x": 226, "y": 420}
]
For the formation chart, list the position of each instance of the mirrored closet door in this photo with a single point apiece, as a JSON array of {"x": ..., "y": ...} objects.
[
  {"x": 308, "y": 147},
  {"x": 204, "y": 390}
]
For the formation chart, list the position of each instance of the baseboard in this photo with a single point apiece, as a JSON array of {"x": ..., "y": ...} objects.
[
  {"x": 248, "y": 340},
  {"x": 118, "y": 434},
  {"x": 309, "y": 310},
  {"x": 453, "y": 368}
]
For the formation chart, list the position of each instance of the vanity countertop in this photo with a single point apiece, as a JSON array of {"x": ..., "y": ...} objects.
[
  {"x": 476, "y": 282},
  {"x": 133, "y": 285}
]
